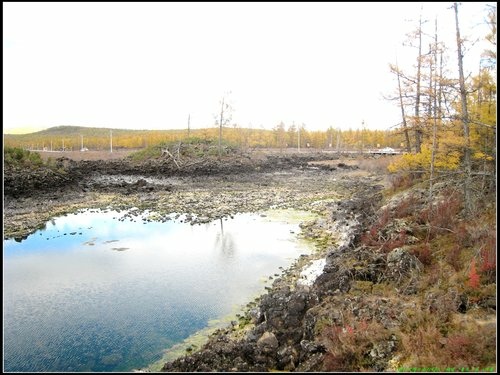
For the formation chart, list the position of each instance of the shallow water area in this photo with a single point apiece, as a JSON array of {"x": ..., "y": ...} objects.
[{"x": 101, "y": 290}]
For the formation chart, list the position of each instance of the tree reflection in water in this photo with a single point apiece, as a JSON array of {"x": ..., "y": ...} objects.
[{"x": 224, "y": 243}]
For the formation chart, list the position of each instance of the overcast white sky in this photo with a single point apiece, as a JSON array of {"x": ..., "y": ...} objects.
[{"x": 149, "y": 65}]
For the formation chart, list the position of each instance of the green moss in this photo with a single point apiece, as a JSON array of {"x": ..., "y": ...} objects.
[
  {"x": 382, "y": 289},
  {"x": 321, "y": 324},
  {"x": 359, "y": 288}
]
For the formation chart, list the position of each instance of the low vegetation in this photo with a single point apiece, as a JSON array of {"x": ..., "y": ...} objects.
[
  {"x": 448, "y": 323},
  {"x": 15, "y": 156},
  {"x": 190, "y": 148}
]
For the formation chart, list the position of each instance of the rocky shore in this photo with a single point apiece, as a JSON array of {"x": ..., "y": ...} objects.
[
  {"x": 282, "y": 331},
  {"x": 207, "y": 190},
  {"x": 345, "y": 307}
]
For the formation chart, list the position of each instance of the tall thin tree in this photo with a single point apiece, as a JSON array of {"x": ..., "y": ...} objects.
[
  {"x": 418, "y": 129},
  {"x": 403, "y": 115},
  {"x": 434, "y": 96},
  {"x": 225, "y": 118},
  {"x": 464, "y": 119}
]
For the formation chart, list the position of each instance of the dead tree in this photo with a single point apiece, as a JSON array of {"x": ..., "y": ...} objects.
[
  {"x": 465, "y": 120},
  {"x": 166, "y": 151}
]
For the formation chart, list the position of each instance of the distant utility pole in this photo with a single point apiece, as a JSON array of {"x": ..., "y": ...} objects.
[
  {"x": 338, "y": 141},
  {"x": 63, "y": 145},
  {"x": 111, "y": 141},
  {"x": 362, "y": 136},
  {"x": 189, "y": 120},
  {"x": 81, "y": 136}
]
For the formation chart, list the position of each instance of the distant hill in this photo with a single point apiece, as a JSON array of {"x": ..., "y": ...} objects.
[
  {"x": 69, "y": 137},
  {"x": 69, "y": 130},
  {"x": 74, "y": 138}
]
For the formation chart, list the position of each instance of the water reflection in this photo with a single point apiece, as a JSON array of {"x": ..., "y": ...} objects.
[
  {"x": 224, "y": 243},
  {"x": 98, "y": 291}
]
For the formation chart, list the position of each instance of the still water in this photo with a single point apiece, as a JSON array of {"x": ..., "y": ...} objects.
[{"x": 102, "y": 291}]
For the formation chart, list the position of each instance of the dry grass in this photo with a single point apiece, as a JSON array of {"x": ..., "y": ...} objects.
[
  {"x": 428, "y": 335},
  {"x": 376, "y": 165},
  {"x": 468, "y": 345},
  {"x": 348, "y": 344}
]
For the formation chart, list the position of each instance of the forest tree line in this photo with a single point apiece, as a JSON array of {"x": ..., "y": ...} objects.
[{"x": 281, "y": 136}]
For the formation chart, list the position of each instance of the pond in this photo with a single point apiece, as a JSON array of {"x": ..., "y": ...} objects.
[{"x": 101, "y": 290}]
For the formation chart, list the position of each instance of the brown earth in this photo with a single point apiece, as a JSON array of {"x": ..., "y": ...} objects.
[{"x": 87, "y": 155}]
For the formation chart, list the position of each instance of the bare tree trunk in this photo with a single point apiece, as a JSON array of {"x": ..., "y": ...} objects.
[
  {"x": 431, "y": 105},
  {"x": 405, "y": 125},
  {"x": 465, "y": 121},
  {"x": 220, "y": 127},
  {"x": 434, "y": 122},
  {"x": 418, "y": 130},
  {"x": 440, "y": 91},
  {"x": 494, "y": 152},
  {"x": 362, "y": 136}
]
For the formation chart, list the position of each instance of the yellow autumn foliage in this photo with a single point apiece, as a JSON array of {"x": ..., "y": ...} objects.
[
  {"x": 447, "y": 160},
  {"x": 478, "y": 155}
]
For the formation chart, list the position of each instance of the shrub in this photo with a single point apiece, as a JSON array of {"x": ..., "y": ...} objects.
[
  {"x": 442, "y": 217},
  {"x": 377, "y": 165},
  {"x": 423, "y": 253},
  {"x": 189, "y": 148},
  {"x": 348, "y": 345},
  {"x": 16, "y": 156},
  {"x": 371, "y": 237},
  {"x": 473, "y": 347},
  {"x": 467, "y": 345},
  {"x": 377, "y": 236},
  {"x": 401, "y": 181},
  {"x": 473, "y": 276},
  {"x": 463, "y": 235},
  {"x": 452, "y": 257},
  {"x": 145, "y": 154},
  {"x": 406, "y": 207},
  {"x": 394, "y": 242},
  {"x": 488, "y": 256}
]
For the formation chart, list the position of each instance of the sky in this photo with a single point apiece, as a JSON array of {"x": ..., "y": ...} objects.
[{"x": 151, "y": 65}]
